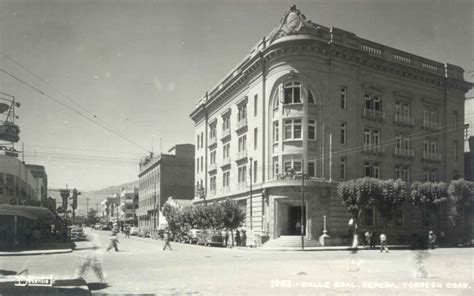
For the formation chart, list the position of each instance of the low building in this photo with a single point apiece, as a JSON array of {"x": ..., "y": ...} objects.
[
  {"x": 128, "y": 206},
  {"x": 21, "y": 196},
  {"x": 162, "y": 176},
  {"x": 110, "y": 209}
]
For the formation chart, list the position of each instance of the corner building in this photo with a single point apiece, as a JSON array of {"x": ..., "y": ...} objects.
[{"x": 335, "y": 106}]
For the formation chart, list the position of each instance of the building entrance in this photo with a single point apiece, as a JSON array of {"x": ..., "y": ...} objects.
[{"x": 294, "y": 220}]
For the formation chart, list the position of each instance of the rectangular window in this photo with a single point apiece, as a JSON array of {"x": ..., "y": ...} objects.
[
  {"x": 202, "y": 164},
  {"x": 197, "y": 165},
  {"x": 275, "y": 167},
  {"x": 276, "y": 131},
  {"x": 242, "y": 174},
  {"x": 371, "y": 169},
  {"x": 343, "y": 133},
  {"x": 197, "y": 142},
  {"x": 213, "y": 157},
  {"x": 311, "y": 129},
  {"x": 255, "y": 138},
  {"x": 398, "y": 172},
  {"x": 311, "y": 169},
  {"x": 255, "y": 105},
  {"x": 212, "y": 131},
  {"x": 212, "y": 183},
  {"x": 297, "y": 128},
  {"x": 255, "y": 171},
  {"x": 398, "y": 109},
  {"x": 202, "y": 139},
  {"x": 226, "y": 151},
  {"x": 243, "y": 143},
  {"x": 226, "y": 123},
  {"x": 288, "y": 127},
  {"x": 342, "y": 168},
  {"x": 297, "y": 166},
  {"x": 287, "y": 166},
  {"x": 226, "y": 179},
  {"x": 455, "y": 119},
  {"x": 242, "y": 114},
  {"x": 426, "y": 175},
  {"x": 343, "y": 97},
  {"x": 406, "y": 174}
]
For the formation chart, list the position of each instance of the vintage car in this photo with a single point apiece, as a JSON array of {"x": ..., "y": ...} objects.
[
  {"x": 210, "y": 237},
  {"x": 77, "y": 233}
]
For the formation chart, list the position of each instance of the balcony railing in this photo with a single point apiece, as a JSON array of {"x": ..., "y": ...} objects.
[
  {"x": 241, "y": 124},
  {"x": 225, "y": 133},
  {"x": 241, "y": 155},
  {"x": 404, "y": 120},
  {"x": 373, "y": 148},
  {"x": 404, "y": 152},
  {"x": 225, "y": 161},
  {"x": 212, "y": 141},
  {"x": 374, "y": 114},
  {"x": 428, "y": 124},
  {"x": 431, "y": 156}
]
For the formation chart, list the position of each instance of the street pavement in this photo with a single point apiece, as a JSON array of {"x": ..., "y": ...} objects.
[{"x": 141, "y": 266}]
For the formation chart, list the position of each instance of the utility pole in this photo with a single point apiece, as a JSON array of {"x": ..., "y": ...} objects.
[
  {"x": 87, "y": 208},
  {"x": 303, "y": 226},
  {"x": 250, "y": 197}
]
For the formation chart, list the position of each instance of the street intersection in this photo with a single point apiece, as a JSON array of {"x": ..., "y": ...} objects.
[{"x": 141, "y": 266}]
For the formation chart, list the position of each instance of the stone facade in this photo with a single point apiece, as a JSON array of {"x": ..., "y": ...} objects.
[{"x": 335, "y": 106}]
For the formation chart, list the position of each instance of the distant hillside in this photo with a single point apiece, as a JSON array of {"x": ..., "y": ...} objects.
[{"x": 95, "y": 197}]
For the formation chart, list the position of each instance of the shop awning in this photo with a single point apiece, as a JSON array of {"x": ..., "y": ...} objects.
[{"x": 40, "y": 214}]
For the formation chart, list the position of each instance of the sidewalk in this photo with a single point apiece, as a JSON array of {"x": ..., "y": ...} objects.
[
  {"x": 327, "y": 248},
  {"x": 57, "y": 248}
]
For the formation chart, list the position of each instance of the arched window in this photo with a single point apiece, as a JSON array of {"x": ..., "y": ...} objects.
[
  {"x": 310, "y": 97},
  {"x": 292, "y": 92}
]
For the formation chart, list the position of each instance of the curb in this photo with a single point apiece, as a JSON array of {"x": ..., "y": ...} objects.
[{"x": 38, "y": 252}]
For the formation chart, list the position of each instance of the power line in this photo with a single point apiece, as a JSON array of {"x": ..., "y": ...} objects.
[{"x": 104, "y": 126}]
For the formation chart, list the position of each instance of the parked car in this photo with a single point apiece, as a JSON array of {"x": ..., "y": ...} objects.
[
  {"x": 210, "y": 237},
  {"x": 105, "y": 227},
  {"x": 134, "y": 231},
  {"x": 193, "y": 235},
  {"x": 77, "y": 233},
  {"x": 98, "y": 226}
]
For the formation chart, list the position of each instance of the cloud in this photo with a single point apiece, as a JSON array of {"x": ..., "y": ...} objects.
[
  {"x": 157, "y": 84},
  {"x": 171, "y": 86}
]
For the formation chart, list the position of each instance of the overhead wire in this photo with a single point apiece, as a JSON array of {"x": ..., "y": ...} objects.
[{"x": 94, "y": 120}]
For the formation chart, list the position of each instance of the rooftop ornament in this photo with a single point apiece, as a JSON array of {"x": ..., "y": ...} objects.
[{"x": 293, "y": 23}]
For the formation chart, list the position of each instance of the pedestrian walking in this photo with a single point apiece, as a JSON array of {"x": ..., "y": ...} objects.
[
  {"x": 237, "y": 237},
  {"x": 92, "y": 259},
  {"x": 368, "y": 238},
  {"x": 226, "y": 238},
  {"x": 244, "y": 238},
  {"x": 383, "y": 242},
  {"x": 373, "y": 239},
  {"x": 431, "y": 239},
  {"x": 167, "y": 240},
  {"x": 113, "y": 242},
  {"x": 127, "y": 232}
]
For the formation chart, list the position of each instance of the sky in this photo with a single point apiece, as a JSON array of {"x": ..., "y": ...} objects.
[{"x": 138, "y": 67}]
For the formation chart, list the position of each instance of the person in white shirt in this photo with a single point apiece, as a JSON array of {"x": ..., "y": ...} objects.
[{"x": 383, "y": 242}]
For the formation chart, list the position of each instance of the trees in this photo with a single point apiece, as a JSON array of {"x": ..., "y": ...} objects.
[
  {"x": 388, "y": 198},
  {"x": 356, "y": 195},
  {"x": 384, "y": 195},
  {"x": 460, "y": 199},
  {"x": 225, "y": 215},
  {"x": 428, "y": 196}
]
